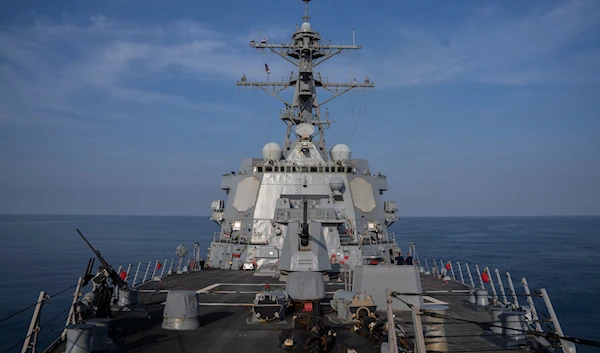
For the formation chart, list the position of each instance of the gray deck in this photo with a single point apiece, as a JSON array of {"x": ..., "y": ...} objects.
[{"x": 226, "y": 297}]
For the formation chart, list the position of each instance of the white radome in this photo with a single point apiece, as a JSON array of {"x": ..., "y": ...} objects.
[
  {"x": 272, "y": 151},
  {"x": 340, "y": 152}
]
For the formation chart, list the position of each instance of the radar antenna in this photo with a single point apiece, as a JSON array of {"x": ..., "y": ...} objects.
[
  {"x": 305, "y": 52},
  {"x": 306, "y": 17}
]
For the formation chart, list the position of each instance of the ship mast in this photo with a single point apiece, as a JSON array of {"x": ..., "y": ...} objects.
[{"x": 305, "y": 52}]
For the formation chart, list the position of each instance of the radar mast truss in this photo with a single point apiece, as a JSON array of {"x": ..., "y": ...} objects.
[{"x": 305, "y": 52}]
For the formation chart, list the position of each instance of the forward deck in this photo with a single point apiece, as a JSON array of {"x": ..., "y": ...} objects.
[{"x": 225, "y": 310}]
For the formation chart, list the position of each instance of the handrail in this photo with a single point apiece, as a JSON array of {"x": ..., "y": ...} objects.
[
  {"x": 502, "y": 299},
  {"x": 31, "y": 339}
]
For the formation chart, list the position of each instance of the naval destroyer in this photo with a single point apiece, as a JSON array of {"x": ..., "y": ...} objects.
[{"x": 304, "y": 261}]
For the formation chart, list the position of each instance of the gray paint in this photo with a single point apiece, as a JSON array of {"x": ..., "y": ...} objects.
[
  {"x": 295, "y": 257},
  {"x": 375, "y": 280},
  {"x": 263, "y": 203}
]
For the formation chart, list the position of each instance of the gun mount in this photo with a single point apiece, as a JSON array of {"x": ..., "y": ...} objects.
[
  {"x": 304, "y": 246},
  {"x": 106, "y": 270},
  {"x": 304, "y": 234}
]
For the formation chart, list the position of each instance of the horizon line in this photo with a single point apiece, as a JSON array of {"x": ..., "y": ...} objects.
[{"x": 208, "y": 216}]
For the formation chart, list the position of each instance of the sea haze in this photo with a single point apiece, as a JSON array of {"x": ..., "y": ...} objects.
[{"x": 40, "y": 252}]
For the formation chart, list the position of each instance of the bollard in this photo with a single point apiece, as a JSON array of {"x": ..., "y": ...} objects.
[
  {"x": 495, "y": 313},
  {"x": 513, "y": 321},
  {"x": 472, "y": 298},
  {"x": 128, "y": 297},
  {"x": 79, "y": 338},
  {"x": 481, "y": 296},
  {"x": 99, "y": 340},
  {"x": 181, "y": 311},
  {"x": 433, "y": 328}
]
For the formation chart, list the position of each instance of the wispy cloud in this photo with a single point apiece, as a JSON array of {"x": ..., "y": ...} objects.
[
  {"x": 556, "y": 45},
  {"x": 50, "y": 71},
  {"x": 50, "y": 66}
]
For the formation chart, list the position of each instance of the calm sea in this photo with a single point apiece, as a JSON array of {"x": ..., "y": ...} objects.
[{"x": 38, "y": 253}]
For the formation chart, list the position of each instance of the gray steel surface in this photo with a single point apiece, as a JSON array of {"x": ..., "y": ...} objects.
[
  {"x": 225, "y": 309},
  {"x": 265, "y": 195}
]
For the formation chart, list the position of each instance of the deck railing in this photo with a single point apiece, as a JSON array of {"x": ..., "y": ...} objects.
[
  {"x": 153, "y": 270},
  {"x": 498, "y": 296},
  {"x": 496, "y": 282}
]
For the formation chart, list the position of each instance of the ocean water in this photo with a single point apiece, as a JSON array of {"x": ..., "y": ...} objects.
[{"x": 561, "y": 254}]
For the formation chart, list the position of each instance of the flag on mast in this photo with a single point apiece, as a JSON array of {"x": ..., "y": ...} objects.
[{"x": 267, "y": 69}]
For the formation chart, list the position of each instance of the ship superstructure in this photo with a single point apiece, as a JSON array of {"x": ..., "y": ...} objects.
[{"x": 337, "y": 197}]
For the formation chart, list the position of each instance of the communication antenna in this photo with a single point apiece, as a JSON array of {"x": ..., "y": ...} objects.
[{"x": 306, "y": 17}]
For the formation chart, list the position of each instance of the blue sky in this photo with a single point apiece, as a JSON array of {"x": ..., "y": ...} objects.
[{"x": 130, "y": 107}]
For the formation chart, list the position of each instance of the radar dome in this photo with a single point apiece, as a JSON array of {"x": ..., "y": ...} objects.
[
  {"x": 340, "y": 152},
  {"x": 306, "y": 27},
  {"x": 272, "y": 151}
]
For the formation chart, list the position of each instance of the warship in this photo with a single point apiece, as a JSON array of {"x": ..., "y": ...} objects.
[{"x": 304, "y": 261}]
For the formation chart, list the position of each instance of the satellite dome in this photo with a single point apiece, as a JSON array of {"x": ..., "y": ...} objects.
[
  {"x": 272, "y": 151},
  {"x": 306, "y": 27},
  {"x": 340, "y": 152}
]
